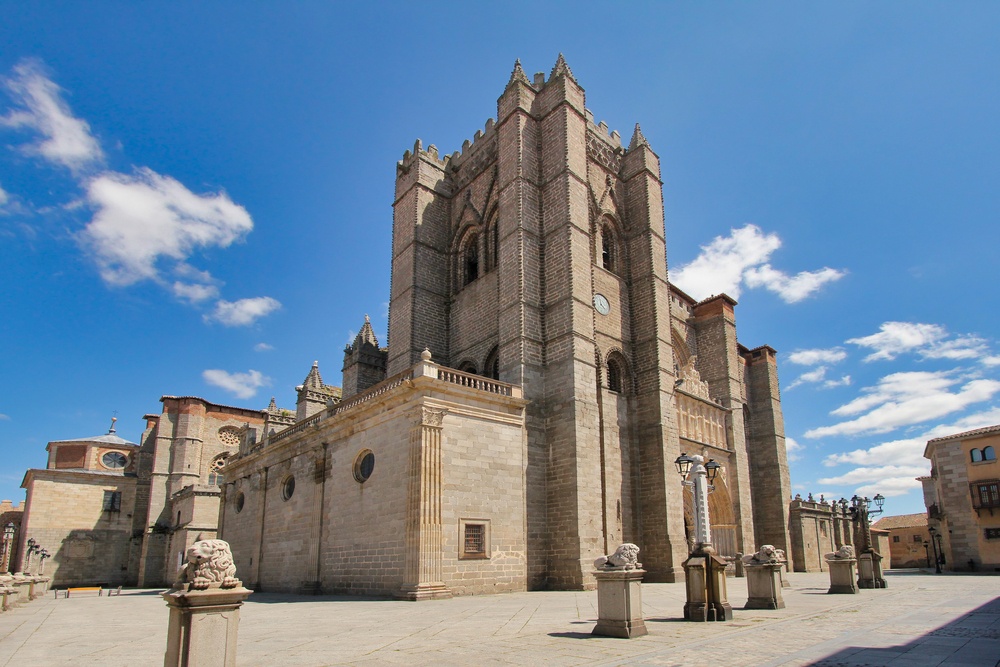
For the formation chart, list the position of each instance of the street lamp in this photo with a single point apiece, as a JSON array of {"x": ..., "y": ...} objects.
[
  {"x": 938, "y": 550},
  {"x": 869, "y": 559},
  {"x": 41, "y": 560},
  {"x": 704, "y": 572},
  {"x": 8, "y": 546},
  {"x": 27, "y": 554}
]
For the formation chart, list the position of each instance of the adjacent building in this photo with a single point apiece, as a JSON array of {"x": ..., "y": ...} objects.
[
  {"x": 962, "y": 496},
  {"x": 909, "y": 541}
]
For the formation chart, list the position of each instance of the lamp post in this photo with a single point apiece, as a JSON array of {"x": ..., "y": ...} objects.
[
  {"x": 41, "y": 560},
  {"x": 938, "y": 551},
  {"x": 927, "y": 553},
  {"x": 704, "y": 572},
  {"x": 27, "y": 555},
  {"x": 8, "y": 546},
  {"x": 869, "y": 559}
]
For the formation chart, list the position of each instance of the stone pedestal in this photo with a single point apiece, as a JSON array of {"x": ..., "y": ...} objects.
[
  {"x": 619, "y": 603},
  {"x": 23, "y": 586},
  {"x": 6, "y": 595},
  {"x": 842, "y": 575},
  {"x": 705, "y": 579},
  {"x": 41, "y": 585},
  {"x": 203, "y": 626},
  {"x": 764, "y": 586},
  {"x": 870, "y": 570}
]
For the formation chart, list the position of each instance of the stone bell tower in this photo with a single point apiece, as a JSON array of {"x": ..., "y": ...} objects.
[{"x": 537, "y": 255}]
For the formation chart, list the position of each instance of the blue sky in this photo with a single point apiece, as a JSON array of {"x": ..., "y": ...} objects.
[{"x": 195, "y": 199}]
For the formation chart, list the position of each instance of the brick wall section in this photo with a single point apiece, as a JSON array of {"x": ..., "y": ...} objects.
[
  {"x": 766, "y": 446},
  {"x": 721, "y": 367}
]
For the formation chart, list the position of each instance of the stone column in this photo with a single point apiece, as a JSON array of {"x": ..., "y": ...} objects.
[
  {"x": 841, "y": 566},
  {"x": 205, "y": 609},
  {"x": 764, "y": 586},
  {"x": 423, "y": 512},
  {"x": 619, "y": 603}
]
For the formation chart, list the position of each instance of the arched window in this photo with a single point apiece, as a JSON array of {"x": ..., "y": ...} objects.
[
  {"x": 491, "y": 368},
  {"x": 467, "y": 367},
  {"x": 470, "y": 259},
  {"x": 614, "y": 375},
  {"x": 618, "y": 378},
  {"x": 989, "y": 454},
  {"x": 608, "y": 247},
  {"x": 977, "y": 455}
]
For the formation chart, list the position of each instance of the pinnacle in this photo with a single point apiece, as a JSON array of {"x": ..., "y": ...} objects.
[
  {"x": 366, "y": 335},
  {"x": 313, "y": 379},
  {"x": 562, "y": 69},
  {"x": 272, "y": 406},
  {"x": 518, "y": 74},
  {"x": 637, "y": 139}
]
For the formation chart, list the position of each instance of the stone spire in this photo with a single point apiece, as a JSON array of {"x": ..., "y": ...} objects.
[
  {"x": 562, "y": 69},
  {"x": 313, "y": 379},
  {"x": 516, "y": 75},
  {"x": 366, "y": 335},
  {"x": 637, "y": 139},
  {"x": 272, "y": 406}
]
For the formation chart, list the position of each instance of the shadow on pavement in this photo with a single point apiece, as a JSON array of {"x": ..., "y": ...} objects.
[{"x": 971, "y": 640}]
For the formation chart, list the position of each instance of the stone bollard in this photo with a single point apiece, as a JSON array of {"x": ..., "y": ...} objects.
[
  {"x": 841, "y": 566},
  {"x": 619, "y": 594},
  {"x": 705, "y": 581},
  {"x": 763, "y": 571},
  {"x": 204, "y": 607}
]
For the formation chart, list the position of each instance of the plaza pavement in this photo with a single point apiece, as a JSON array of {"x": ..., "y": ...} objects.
[{"x": 922, "y": 619}]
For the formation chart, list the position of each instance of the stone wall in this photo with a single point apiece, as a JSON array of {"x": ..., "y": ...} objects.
[
  {"x": 89, "y": 545},
  {"x": 338, "y": 534}
]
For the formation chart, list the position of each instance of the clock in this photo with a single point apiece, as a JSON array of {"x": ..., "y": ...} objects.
[{"x": 601, "y": 304}]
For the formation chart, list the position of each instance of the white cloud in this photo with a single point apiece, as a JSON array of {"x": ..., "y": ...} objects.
[
  {"x": 243, "y": 312},
  {"x": 194, "y": 292},
  {"x": 818, "y": 374},
  {"x": 791, "y": 289},
  {"x": 4, "y": 418},
  {"x": 875, "y": 474},
  {"x": 142, "y": 218},
  {"x": 844, "y": 381},
  {"x": 728, "y": 263},
  {"x": 66, "y": 140},
  {"x": 890, "y": 486},
  {"x": 991, "y": 360},
  {"x": 817, "y": 356},
  {"x": 793, "y": 449},
  {"x": 241, "y": 385},
  {"x": 910, "y": 451},
  {"x": 262, "y": 347},
  {"x": 927, "y": 340},
  {"x": 903, "y": 399},
  {"x": 4, "y": 197}
]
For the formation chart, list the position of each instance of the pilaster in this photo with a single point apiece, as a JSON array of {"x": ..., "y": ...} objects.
[{"x": 423, "y": 512}]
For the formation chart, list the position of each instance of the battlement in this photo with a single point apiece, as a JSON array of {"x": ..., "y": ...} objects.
[
  {"x": 451, "y": 162},
  {"x": 601, "y": 130}
]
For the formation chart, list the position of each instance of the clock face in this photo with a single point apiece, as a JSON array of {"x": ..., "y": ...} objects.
[
  {"x": 114, "y": 460},
  {"x": 601, "y": 304}
]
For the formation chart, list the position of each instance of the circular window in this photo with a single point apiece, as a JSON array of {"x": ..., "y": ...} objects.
[
  {"x": 114, "y": 460},
  {"x": 364, "y": 465},
  {"x": 229, "y": 436},
  {"x": 240, "y": 499},
  {"x": 288, "y": 487}
]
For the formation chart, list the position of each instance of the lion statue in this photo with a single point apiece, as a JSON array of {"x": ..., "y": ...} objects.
[
  {"x": 766, "y": 554},
  {"x": 209, "y": 564},
  {"x": 625, "y": 557},
  {"x": 843, "y": 553}
]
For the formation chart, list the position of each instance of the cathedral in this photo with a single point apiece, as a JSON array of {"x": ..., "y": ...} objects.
[{"x": 541, "y": 375}]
